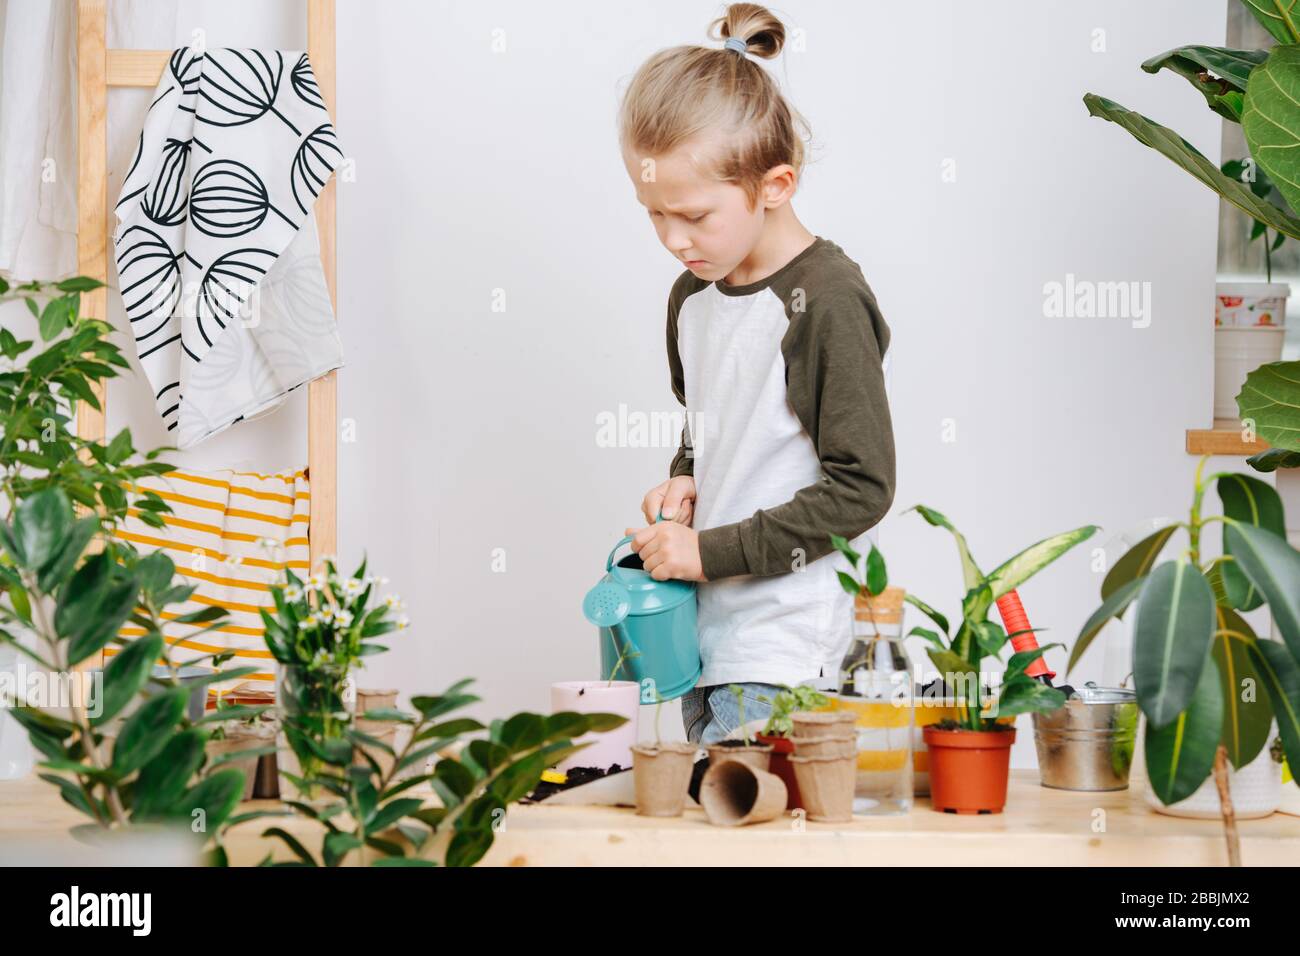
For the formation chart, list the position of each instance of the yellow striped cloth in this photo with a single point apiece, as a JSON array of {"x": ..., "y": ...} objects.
[{"x": 217, "y": 536}]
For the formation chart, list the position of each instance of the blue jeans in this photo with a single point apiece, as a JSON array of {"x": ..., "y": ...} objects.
[{"x": 710, "y": 714}]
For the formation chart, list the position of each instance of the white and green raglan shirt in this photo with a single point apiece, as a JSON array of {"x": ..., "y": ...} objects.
[{"x": 788, "y": 436}]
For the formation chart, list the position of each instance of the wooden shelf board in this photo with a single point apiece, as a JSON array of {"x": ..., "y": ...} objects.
[{"x": 1225, "y": 438}]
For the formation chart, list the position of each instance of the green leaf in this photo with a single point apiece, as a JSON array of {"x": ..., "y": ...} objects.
[
  {"x": 1028, "y": 696},
  {"x": 1271, "y": 399},
  {"x": 956, "y": 672},
  {"x": 1246, "y": 722},
  {"x": 1180, "y": 755},
  {"x": 146, "y": 732},
  {"x": 970, "y": 572},
  {"x": 1273, "y": 459},
  {"x": 163, "y": 779},
  {"x": 928, "y": 611},
  {"x": 1171, "y": 642},
  {"x": 1184, "y": 154},
  {"x": 1278, "y": 17},
  {"x": 843, "y": 547},
  {"x": 467, "y": 847},
  {"x": 391, "y": 812},
  {"x": 56, "y": 570},
  {"x": 216, "y": 795},
  {"x": 877, "y": 576},
  {"x": 292, "y": 843},
  {"x": 78, "y": 284},
  {"x": 1230, "y": 71},
  {"x": 125, "y": 674},
  {"x": 337, "y": 846},
  {"x": 1273, "y": 566},
  {"x": 1137, "y": 562},
  {"x": 1280, "y": 674},
  {"x": 1270, "y": 119},
  {"x": 1250, "y": 501},
  {"x": 1017, "y": 570},
  {"x": 523, "y": 731},
  {"x": 40, "y": 525},
  {"x": 1111, "y": 607},
  {"x": 849, "y": 583}
]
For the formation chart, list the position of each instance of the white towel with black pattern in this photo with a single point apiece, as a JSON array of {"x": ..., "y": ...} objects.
[{"x": 218, "y": 260}]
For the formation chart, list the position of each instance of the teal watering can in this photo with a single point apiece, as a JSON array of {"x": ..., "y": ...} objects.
[{"x": 647, "y": 628}]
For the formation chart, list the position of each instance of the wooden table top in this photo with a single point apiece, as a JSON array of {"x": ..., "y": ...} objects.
[{"x": 1038, "y": 827}]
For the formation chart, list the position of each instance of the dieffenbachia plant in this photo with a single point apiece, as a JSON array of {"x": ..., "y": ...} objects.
[
  {"x": 959, "y": 656},
  {"x": 1210, "y": 689},
  {"x": 1260, "y": 89}
]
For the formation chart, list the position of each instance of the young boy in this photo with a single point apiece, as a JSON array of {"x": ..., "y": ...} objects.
[{"x": 775, "y": 347}]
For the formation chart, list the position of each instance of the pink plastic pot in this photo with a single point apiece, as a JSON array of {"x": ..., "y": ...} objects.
[{"x": 621, "y": 697}]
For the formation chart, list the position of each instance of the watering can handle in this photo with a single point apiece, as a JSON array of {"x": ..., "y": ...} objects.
[{"x": 609, "y": 562}]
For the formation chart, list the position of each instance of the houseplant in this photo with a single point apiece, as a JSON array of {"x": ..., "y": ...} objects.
[
  {"x": 239, "y": 738},
  {"x": 376, "y": 817},
  {"x": 321, "y": 629},
  {"x": 661, "y": 773},
  {"x": 608, "y": 752},
  {"x": 1194, "y": 656},
  {"x": 1253, "y": 88},
  {"x": 779, "y": 728},
  {"x": 67, "y": 585},
  {"x": 970, "y": 757}
]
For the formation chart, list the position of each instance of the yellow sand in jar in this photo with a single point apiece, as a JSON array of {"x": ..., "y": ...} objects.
[{"x": 881, "y": 759}]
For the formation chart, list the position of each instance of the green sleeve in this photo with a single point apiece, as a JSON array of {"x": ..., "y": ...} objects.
[{"x": 833, "y": 351}]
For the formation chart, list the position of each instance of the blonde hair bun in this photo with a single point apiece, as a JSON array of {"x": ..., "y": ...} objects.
[{"x": 763, "y": 33}]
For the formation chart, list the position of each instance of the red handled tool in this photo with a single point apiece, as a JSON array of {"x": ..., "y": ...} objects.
[{"x": 1014, "y": 619}]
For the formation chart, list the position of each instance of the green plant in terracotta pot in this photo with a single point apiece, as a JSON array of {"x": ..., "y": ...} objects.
[
  {"x": 970, "y": 757},
  {"x": 779, "y": 728}
]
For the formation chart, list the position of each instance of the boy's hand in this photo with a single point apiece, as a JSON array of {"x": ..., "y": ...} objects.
[
  {"x": 675, "y": 499},
  {"x": 668, "y": 550}
]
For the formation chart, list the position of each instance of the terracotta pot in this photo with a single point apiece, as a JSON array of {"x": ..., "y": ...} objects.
[
  {"x": 968, "y": 769},
  {"x": 825, "y": 746},
  {"x": 824, "y": 723},
  {"x": 780, "y": 765},
  {"x": 826, "y": 784},
  {"x": 734, "y": 793},
  {"x": 757, "y": 755},
  {"x": 661, "y": 774}
]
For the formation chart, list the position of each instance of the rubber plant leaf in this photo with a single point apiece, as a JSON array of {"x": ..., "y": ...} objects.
[
  {"x": 1171, "y": 642},
  {"x": 1180, "y": 755}
]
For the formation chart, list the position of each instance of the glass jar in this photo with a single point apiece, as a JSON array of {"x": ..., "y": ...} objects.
[
  {"x": 311, "y": 705},
  {"x": 875, "y": 681}
]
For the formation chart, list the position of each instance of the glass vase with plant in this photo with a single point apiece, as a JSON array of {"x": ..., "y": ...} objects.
[{"x": 321, "y": 629}]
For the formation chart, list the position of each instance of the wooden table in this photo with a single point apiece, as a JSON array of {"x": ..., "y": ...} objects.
[{"x": 1039, "y": 827}]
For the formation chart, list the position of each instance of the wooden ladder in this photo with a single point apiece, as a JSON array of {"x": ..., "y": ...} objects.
[{"x": 99, "y": 68}]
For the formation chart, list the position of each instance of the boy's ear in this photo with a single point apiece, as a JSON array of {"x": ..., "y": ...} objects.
[{"x": 779, "y": 185}]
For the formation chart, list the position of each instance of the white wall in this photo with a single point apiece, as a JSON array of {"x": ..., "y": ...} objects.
[{"x": 479, "y": 171}]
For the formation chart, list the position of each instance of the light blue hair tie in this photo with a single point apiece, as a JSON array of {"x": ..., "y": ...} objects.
[{"x": 737, "y": 44}]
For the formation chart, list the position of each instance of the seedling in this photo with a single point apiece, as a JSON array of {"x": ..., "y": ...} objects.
[{"x": 789, "y": 700}]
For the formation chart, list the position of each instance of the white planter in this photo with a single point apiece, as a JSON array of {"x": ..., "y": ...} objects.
[
  {"x": 1238, "y": 351},
  {"x": 1256, "y": 792},
  {"x": 621, "y": 697}
]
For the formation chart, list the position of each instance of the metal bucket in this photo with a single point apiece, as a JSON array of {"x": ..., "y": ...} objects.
[{"x": 1088, "y": 743}]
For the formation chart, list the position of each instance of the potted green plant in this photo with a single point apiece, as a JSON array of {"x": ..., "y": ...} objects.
[
  {"x": 1193, "y": 652},
  {"x": 779, "y": 729},
  {"x": 1249, "y": 87},
  {"x": 970, "y": 757},
  {"x": 756, "y": 753},
  {"x": 323, "y": 626},
  {"x": 68, "y": 585}
]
